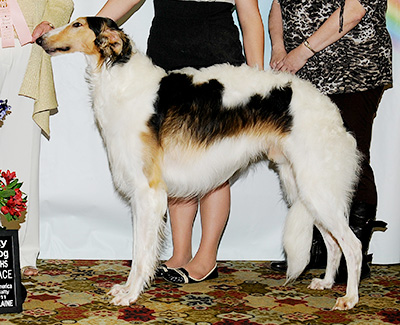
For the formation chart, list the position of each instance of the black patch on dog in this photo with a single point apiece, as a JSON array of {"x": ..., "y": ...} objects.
[
  {"x": 96, "y": 24},
  {"x": 199, "y": 109},
  {"x": 106, "y": 48}
]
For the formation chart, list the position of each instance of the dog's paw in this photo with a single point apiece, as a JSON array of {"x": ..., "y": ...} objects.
[
  {"x": 118, "y": 289},
  {"x": 122, "y": 295},
  {"x": 123, "y": 299},
  {"x": 345, "y": 303},
  {"x": 320, "y": 284}
]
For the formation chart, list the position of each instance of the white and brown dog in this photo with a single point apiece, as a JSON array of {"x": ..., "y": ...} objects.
[{"x": 184, "y": 133}]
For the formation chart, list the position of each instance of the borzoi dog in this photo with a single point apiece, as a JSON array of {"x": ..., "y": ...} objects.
[{"x": 184, "y": 133}]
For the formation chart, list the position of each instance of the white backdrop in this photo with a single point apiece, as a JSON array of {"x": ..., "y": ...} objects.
[{"x": 83, "y": 218}]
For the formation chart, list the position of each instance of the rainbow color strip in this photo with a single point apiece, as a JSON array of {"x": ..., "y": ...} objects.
[{"x": 393, "y": 21}]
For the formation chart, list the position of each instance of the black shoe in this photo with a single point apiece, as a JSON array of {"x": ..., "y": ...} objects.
[
  {"x": 318, "y": 255},
  {"x": 363, "y": 224},
  {"x": 180, "y": 275},
  {"x": 279, "y": 266},
  {"x": 161, "y": 270}
]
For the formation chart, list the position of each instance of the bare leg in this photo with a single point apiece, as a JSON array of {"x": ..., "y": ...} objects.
[
  {"x": 182, "y": 214},
  {"x": 214, "y": 210}
]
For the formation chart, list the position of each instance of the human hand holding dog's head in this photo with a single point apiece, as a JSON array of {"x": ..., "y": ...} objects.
[{"x": 41, "y": 29}]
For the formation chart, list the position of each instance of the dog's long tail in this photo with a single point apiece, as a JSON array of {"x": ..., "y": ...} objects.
[
  {"x": 297, "y": 235},
  {"x": 297, "y": 239}
]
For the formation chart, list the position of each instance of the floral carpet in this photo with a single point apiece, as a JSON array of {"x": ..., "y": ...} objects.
[{"x": 246, "y": 292}]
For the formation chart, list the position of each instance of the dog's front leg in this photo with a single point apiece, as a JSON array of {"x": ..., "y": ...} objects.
[{"x": 148, "y": 209}]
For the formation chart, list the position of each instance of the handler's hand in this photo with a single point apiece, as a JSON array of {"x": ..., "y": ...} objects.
[
  {"x": 294, "y": 60},
  {"x": 276, "y": 57},
  {"x": 41, "y": 29}
]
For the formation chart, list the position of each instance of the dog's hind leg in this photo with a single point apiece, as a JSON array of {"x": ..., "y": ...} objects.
[
  {"x": 148, "y": 208},
  {"x": 333, "y": 259},
  {"x": 351, "y": 248},
  {"x": 341, "y": 236},
  {"x": 325, "y": 166},
  {"x": 332, "y": 219},
  {"x": 334, "y": 227}
]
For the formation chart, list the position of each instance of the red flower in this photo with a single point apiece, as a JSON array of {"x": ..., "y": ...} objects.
[
  {"x": 16, "y": 204},
  {"x": 12, "y": 200},
  {"x": 8, "y": 176},
  {"x": 4, "y": 210}
]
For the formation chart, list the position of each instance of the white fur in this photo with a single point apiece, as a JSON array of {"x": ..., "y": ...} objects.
[{"x": 317, "y": 163}]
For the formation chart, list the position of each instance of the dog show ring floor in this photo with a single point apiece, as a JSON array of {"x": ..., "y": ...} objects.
[{"x": 246, "y": 292}]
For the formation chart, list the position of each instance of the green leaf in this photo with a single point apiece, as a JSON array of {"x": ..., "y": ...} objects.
[
  {"x": 7, "y": 193},
  {"x": 14, "y": 184}
]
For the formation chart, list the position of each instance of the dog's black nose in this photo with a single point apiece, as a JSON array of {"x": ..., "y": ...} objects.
[{"x": 39, "y": 41}]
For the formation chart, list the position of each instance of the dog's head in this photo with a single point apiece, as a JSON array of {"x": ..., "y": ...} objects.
[{"x": 93, "y": 36}]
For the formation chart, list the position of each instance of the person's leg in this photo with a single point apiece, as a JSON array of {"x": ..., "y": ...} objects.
[
  {"x": 214, "y": 210},
  {"x": 20, "y": 145},
  {"x": 182, "y": 214},
  {"x": 30, "y": 229},
  {"x": 358, "y": 111}
]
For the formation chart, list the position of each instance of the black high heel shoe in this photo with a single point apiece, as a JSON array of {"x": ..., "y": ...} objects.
[
  {"x": 180, "y": 275},
  {"x": 161, "y": 270}
]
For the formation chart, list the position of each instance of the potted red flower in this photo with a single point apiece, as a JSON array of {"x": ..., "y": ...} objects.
[
  {"x": 12, "y": 200},
  {"x": 12, "y": 213}
]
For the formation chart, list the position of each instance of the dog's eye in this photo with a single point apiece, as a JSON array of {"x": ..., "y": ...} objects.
[{"x": 76, "y": 25}]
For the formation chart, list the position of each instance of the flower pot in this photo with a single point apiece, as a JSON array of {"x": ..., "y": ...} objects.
[{"x": 12, "y": 293}]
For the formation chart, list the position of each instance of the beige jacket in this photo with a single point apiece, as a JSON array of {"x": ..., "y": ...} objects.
[{"x": 38, "y": 82}]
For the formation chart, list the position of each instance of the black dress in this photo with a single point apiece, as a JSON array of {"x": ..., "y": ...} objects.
[{"x": 193, "y": 34}]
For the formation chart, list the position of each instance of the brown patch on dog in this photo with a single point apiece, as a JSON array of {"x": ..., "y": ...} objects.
[
  {"x": 178, "y": 131},
  {"x": 152, "y": 157}
]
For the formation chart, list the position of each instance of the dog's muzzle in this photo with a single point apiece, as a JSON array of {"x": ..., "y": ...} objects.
[{"x": 41, "y": 41}]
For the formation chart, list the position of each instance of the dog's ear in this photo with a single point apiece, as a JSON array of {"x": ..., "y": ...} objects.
[
  {"x": 109, "y": 43},
  {"x": 113, "y": 44}
]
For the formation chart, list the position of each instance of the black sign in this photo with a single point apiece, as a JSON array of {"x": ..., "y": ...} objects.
[{"x": 10, "y": 275}]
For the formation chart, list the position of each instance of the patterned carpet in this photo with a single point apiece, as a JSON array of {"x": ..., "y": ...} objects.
[{"x": 74, "y": 292}]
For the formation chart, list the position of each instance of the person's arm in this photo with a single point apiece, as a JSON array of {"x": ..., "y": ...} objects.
[
  {"x": 252, "y": 31},
  {"x": 116, "y": 9},
  {"x": 326, "y": 35},
  {"x": 275, "y": 28}
]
